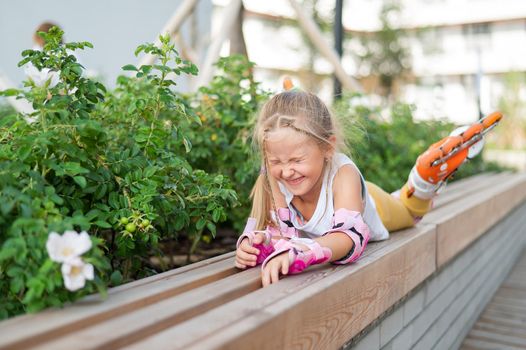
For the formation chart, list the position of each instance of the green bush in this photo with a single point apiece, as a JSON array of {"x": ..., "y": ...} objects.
[
  {"x": 5, "y": 110},
  {"x": 227, "y": 109},
  {"x": 109, "y": 163}
]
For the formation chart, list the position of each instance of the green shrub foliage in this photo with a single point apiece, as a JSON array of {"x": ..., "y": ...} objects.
[
  {"x": 110, "y": 163},
  {"x": 223, "y": 143}
]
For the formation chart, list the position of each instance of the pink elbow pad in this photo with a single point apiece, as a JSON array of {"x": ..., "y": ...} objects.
[
  {"x": 286, "y": 226},
  {"x": 351, "y": 223}
]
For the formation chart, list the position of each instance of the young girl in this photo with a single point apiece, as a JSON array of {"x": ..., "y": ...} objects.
[{"x": 312, "y": 205}]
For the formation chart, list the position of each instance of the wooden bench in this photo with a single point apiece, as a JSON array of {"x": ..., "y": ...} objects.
[{"x": 211, "y": 304}]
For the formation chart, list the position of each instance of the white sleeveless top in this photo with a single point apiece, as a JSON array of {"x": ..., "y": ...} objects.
[{"x": 321, "y": 220}]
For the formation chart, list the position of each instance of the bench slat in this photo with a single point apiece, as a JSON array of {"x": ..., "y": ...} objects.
[
  {"x": 480, "y": 211},
  {"x": 465, "y": 187},
  {"x": 345, "y": 298},
  {"x": 54, "y": 323},
  {"x": 137, "y": 325}
]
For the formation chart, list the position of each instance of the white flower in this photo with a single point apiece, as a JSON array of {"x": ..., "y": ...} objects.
[
  {"x": 40, "y": 78},
  {"x": 75, "y": 273},
  {"x": 67, "y": 247}
]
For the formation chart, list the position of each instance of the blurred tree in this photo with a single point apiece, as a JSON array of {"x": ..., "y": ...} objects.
[
  {"x": 386, "y": 54},
  {"x": 511, "y": 134}
]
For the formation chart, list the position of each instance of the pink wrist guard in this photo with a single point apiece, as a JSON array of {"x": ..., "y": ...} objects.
[
  {"x": 286, "y": 229},
  {"x": 265, "y": 249},
  {"x": 351, "y": 223},
  {"x": 299, "y": 260}
]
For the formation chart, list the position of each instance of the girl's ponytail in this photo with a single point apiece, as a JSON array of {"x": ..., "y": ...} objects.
[{"x": 261, "y": 202}]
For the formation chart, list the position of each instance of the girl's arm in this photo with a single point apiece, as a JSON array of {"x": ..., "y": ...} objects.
[
  {"x": 347, "y": 193},
  {"x": 347, "y": 189}
]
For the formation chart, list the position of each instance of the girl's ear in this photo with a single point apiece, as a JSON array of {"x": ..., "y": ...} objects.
[{"x": 331, "y": 148}]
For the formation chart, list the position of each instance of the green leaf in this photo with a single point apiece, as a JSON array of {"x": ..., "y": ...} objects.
[
  {"x": 17, "y": 284},
  {"x": 116, "y": 278},
  {"x": 74, "y": 168},
  {"x": 200, "y": 224},
  {"x": 113, "y": 200},
  {"x": 102, "y": 224},
  {"x": 24, "y": 151},
  {"x": 10, "y": 92},
  {"x": 216, "y": 214},
  {"x": 80, "y": 180},
  {"x": 130, "y": 67},
  {"x": 187, "y": 145},
  {"x": 210, "y": 226},
  {"x": 7, "y": 252}
]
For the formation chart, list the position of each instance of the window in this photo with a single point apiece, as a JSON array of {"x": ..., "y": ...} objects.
[
  {"x": 477, "y": 35},
  {"x": 432, "y": 41}
]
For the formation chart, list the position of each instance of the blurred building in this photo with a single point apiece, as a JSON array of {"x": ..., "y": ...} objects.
[
  {"x": 461, "y": 53},
  {"x": 461, "y": 50}
]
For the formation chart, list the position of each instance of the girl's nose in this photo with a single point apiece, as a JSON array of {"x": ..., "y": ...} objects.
[{"x": 287, "y": 171}]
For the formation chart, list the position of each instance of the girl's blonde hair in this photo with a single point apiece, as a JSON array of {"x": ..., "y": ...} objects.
[{"x": 301, "y": 111}]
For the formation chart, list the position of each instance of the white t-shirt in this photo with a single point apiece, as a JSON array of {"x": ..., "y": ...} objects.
[{"x": 321, "y": 220}]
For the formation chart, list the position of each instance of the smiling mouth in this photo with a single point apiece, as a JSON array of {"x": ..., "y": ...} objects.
[{"x": 296, "y": 181}]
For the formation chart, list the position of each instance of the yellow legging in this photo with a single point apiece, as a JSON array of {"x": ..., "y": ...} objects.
[{"x": 395, "y": 213}]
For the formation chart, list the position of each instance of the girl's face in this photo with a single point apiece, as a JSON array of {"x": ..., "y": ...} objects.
[{"x": 297, "y": 161}]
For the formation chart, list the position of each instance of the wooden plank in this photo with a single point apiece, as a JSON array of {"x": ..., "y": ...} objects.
[
  {"x": 506, "y": 340},
  {"x": 511, "y": 302},
  {"x": 465, "y": 187},
  {"x": 505, "y": 309},
  {"x": 478, "y": 344},
  {"x": 479, "y": 211},
  {"x": 174, "y": 272},
  {"x": 29, "y": 330},
  {"x": 503, "y": 322},
  {"x": 321, "y": 308},
  {"x": 125, "y": 329},
  {"x": 501, "y": 329},
  {"x": 502, "y": 314},
  {"x": 509, "y": 292}
]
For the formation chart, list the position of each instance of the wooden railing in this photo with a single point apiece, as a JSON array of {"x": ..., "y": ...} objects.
[{"x": 211, "y": 304}]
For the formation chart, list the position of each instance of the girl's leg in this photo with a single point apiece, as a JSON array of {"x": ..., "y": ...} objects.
[
  {"x": 394, "y": 213},
  {"x": 417, "y": 207}
]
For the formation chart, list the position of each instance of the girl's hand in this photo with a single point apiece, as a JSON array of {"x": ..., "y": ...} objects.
[
  {"x": 271, "y": 272},
  {"x": 246, "y": 255}
]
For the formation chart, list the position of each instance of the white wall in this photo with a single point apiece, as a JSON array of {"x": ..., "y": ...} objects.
[{"x": 114, "y": 27}]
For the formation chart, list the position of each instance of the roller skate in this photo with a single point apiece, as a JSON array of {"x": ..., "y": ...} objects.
[{"x": 442, "y": 159}]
